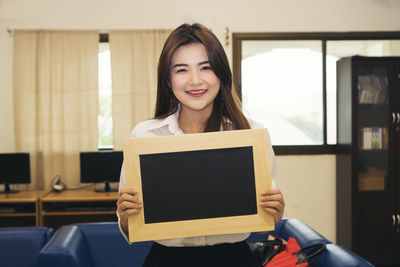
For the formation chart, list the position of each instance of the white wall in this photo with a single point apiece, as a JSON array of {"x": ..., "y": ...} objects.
[{"x": 308, "y": 182}]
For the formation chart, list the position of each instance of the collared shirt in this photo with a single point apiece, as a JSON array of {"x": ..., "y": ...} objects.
[{"x": 169, "y": 126}]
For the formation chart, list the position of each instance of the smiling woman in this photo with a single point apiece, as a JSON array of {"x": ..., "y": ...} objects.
[
  {"x": 194, "y": 95},
  {"x": 225, "y": 105}
]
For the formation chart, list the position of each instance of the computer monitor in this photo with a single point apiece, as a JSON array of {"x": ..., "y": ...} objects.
[
  {"x": 14, "y": 169},
  {"x": 101, "y": 167}
]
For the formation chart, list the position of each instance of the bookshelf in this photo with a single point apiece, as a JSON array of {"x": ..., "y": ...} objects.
[{"x": 368, "y": 169}]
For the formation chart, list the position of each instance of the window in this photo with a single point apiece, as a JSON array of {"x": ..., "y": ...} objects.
[
  {"x": 105, "y": 122},
  {"x": 287, "y": 81},
  {"x": 274, "y": 70}
]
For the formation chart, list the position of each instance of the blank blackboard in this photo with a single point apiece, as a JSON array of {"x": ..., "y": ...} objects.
[{"x": 198, "y": 184}]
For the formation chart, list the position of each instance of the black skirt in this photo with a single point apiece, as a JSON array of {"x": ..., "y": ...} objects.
[{"x": 221, "y": 255}]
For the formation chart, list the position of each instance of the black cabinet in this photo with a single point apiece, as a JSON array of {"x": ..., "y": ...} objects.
[{"x": 368, "y": 162}]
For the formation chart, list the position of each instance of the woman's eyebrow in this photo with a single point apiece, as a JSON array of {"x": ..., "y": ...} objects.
[
  {"x": 204, "y": 62},
  {"x": 180, "y": 65},
  {"x": 186, "y": 65}
]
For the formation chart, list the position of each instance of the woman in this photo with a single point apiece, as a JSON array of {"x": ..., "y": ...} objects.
[{"x": 195, "y": 95}]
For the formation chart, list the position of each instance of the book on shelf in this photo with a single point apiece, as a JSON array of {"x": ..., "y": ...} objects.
[
  {"x": 366, "y": 138},
  {"x": 385, "y": 138},
  {"x": 372, "y": 89},
  {"x": 374, "y": 138}
]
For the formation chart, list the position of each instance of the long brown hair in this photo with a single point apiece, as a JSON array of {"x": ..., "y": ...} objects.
[{"x": 225, "y": 106}]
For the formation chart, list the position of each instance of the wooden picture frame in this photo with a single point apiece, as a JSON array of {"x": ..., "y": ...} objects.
[{"x": 220, "y": 199}]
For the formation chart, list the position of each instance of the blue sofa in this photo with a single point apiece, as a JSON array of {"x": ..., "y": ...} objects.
[
  {"x": 19, "y": 246},
  {"x": 102, "y": 245},
  {"x": 92, "y": 245},
  {"x": 334, "y": 255}
]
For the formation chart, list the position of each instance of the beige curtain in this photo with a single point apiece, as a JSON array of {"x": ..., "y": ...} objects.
[
  {"x": 134, "y": 59},
  {"x": 55, "y": 101}
]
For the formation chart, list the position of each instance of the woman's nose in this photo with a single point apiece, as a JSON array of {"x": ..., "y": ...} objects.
[{"x": 195, "y": 77}]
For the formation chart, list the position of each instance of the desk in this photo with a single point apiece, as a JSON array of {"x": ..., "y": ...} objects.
[
  {"x": 77, "y": 206},
  {"x": 21, "y": 209}
]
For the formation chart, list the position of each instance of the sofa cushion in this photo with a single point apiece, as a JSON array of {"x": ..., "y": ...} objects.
[
  {"x": 254, "y": 237},
  {"x": 108, "y": 247}
]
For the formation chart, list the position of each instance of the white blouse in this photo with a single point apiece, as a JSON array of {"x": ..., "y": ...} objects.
[{"x": 169, "y": 126}]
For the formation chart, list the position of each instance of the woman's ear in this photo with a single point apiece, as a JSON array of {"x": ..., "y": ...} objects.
[{"x": 169, "y": 84}]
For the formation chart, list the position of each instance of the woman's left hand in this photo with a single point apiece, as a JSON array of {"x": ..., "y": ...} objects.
[{"x": 272, "y": 202}]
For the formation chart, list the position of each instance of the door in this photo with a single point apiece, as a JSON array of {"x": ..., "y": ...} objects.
[{"x": 396, "y": 126}]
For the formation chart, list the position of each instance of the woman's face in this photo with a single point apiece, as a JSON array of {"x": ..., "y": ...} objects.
[{"x": 193, "y": 82}]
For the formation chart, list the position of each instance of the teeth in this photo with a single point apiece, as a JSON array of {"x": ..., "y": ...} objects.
[{"x": 196, "y": 92}]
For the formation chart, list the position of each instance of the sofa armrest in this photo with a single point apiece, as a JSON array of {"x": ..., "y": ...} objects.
[
  {"x": 338, "y": 256},
  {"x": 292, "y": 227},
  {"x": 67, "y": 248},
  {"x": 19, "y": 246},
  {"x": 333, "y": 256},
  {"x": 303, "y": 233}
]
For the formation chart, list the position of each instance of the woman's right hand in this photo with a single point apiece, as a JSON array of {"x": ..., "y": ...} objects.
[{"x": 128, "y": 203}]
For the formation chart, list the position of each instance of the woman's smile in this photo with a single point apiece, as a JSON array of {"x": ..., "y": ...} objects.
[{"x": 196, "y": 92}]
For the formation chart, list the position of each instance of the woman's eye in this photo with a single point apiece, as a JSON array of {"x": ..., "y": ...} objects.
[
  {"x": 206, "y": 68},
  {"x": 180, "y": 70}
]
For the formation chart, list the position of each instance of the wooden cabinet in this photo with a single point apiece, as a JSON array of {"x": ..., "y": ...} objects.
[
  {"x": 77, "y": 206},
  {"x": 21, "y": 209},
  {"x": 368, "y": 164}
]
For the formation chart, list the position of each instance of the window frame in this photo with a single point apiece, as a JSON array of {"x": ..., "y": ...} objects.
[{"x": 324, "y": 37}]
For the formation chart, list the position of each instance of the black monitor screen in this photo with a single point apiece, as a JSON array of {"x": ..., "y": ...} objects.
[
  {"x": 14, "y": 169},
  {"x": 97, "y": 167}
]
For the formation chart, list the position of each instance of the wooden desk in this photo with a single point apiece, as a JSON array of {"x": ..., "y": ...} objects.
[
  {"x": 77, "y": 206},
  {"x": 21, "y": 209}
]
